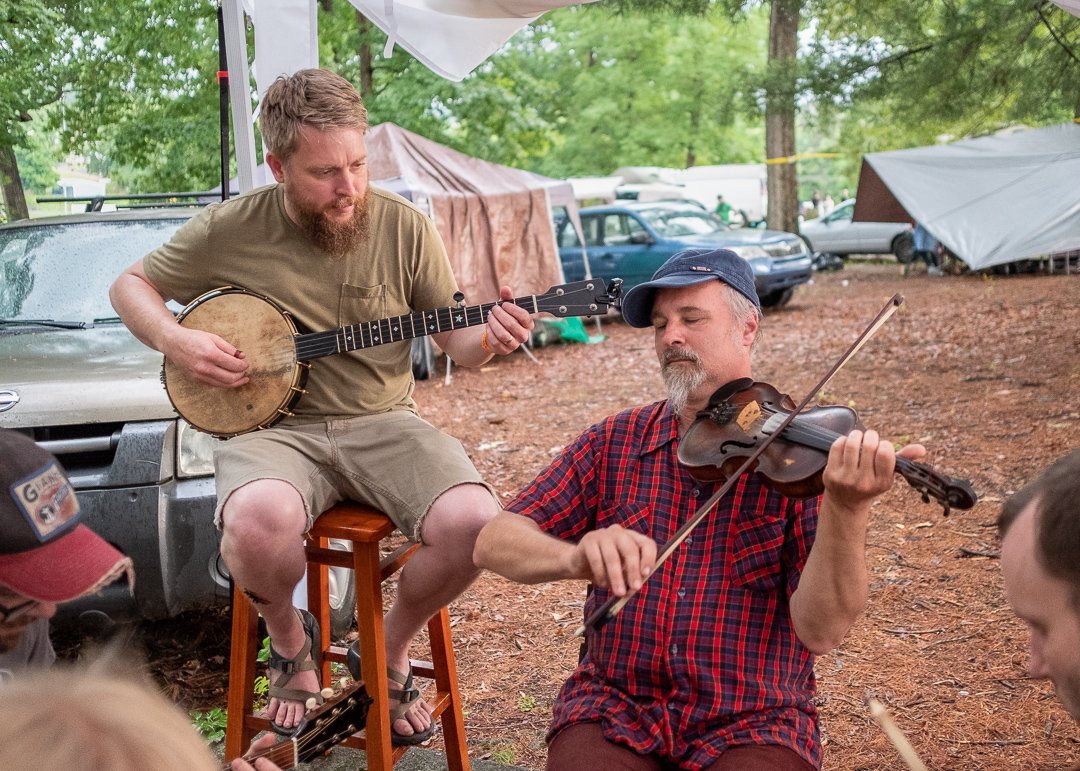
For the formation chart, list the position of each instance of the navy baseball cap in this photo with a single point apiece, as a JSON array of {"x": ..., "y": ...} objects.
[{"x": 686, "y": 268}]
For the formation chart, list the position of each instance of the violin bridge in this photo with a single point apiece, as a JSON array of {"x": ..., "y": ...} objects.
[{"x": 748, "y": 416}]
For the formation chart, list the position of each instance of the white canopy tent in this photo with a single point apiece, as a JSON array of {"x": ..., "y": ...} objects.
[{"x": 992, "y": 200}]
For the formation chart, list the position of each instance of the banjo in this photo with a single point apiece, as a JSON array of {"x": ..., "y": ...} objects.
[{"x": 279, "y": 356}]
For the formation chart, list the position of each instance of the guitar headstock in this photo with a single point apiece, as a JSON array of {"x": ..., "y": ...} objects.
[
  {"x": 333, "y": 722},
  {"x": 590, "y": 297}
]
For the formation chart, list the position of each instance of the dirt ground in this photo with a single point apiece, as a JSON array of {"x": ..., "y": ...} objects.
[{"x": 983, "y": 370}]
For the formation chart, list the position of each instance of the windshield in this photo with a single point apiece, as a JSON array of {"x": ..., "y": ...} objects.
[
  {"x": 672, "y": 223},
  {"x": 62, "y": 272}
]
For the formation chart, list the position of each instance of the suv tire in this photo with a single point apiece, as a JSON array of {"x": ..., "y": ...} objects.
[
  {"x": 341, "y": 589},
  {"x": 903, "y": 246},
  {"x": 778, "y": 298}
]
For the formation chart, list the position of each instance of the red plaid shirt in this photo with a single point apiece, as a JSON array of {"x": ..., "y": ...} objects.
[{"x": 705, "y": 657}]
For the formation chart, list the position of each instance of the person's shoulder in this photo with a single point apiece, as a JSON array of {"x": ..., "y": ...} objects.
[
  {"x": 633, "y": 422},
  {"x": 246, "y": 204},
  {"x": 393, "y": 203}
]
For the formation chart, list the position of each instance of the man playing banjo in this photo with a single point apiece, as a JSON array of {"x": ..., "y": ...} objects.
[{"x": 330, "y": 250}]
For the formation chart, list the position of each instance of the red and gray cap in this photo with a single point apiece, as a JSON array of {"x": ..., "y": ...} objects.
[
  {"x": 686, "y": 268},
  {"x": 46, "y": 553}
]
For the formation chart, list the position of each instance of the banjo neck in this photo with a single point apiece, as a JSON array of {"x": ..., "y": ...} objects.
[{"x": 367, "y": 334}]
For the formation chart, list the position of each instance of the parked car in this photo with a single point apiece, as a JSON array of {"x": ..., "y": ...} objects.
[
  {"x": 630, "y": 241},
  {"x": 836, "y": 233},
  {"x": 77, "y": 382}
]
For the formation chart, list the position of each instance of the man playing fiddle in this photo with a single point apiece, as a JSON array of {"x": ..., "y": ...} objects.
[{"x": 710, "y": 666}]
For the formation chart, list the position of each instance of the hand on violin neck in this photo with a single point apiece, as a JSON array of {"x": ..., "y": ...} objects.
[
  {"x": 614, "y": 558},
  {"x": 861, "y": 467}
]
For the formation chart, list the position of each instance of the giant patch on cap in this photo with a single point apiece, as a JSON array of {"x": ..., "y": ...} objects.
[{"x": 47, "y": 501}]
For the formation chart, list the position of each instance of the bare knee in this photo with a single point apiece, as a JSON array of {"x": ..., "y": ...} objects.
[
  {"x": 457, "y": 517},
  {"x": 262, "y": 513}
]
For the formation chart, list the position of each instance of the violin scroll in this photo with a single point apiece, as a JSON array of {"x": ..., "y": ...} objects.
[{"x": 949, "y": 492}]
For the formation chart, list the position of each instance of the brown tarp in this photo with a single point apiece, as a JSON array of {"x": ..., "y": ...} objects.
[
  {"x": 874, "y": 202},
  {"x": 494, "y": 220}
]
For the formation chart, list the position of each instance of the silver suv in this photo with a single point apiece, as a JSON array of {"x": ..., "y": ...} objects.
[{"x": 76, "y": 381}]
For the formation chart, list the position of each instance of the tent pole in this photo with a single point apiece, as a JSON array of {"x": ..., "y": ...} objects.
[
  {"x": 243, "y": 125},
  {"x": 223, "y": 103}
]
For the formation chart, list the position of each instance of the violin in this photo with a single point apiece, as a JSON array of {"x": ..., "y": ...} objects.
[{"x": 743, "y": 413}]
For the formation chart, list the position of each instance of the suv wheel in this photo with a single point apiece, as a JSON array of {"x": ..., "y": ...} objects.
[
  {"x": 342, "y": 591},
  {"x": 777, "y": 298},
  {"x": 903, "y": 246}
]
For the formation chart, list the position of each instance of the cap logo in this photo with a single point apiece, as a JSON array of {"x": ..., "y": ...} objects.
[
  {"x": 47, "y": 501},
  {"x": 702, "y": 268}
]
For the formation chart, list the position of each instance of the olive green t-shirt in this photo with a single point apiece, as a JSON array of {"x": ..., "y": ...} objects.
[{"x": 250, "y": 242}]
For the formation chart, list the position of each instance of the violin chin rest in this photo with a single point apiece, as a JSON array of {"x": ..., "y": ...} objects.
[{"x": 729, "y": 389}]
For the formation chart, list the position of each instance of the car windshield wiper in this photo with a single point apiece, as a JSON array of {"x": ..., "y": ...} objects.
[{"x": 43, "y": 323}]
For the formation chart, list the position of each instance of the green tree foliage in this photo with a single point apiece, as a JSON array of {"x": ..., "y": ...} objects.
[
  {"x": 625, "y": 88},
  {"x": 36, "y": 157},
  {"x": 887, "y": 76},
  {"x": 31, "y": 75},
  {"x": 144, "y": 91}
]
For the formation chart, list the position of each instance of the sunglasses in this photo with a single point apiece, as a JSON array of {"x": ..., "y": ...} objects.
[{"x": 11, "y": 612}]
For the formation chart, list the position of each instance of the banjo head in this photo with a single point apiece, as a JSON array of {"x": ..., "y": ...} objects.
[{"x": 265, "y": 334}]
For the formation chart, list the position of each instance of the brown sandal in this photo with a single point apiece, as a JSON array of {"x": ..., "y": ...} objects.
[{"x": 306, "y": 659}]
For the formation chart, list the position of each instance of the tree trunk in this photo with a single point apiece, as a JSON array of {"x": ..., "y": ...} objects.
[
  {"x": 366, "y": 66},
  {"x": 14, "y": 196},
  {"x": 783, "y": 213}
]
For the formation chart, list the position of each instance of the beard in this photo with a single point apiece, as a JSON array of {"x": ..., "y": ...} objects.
[
  {"x": 683, "y": 372},
  {"x": 335, "y": 238}
]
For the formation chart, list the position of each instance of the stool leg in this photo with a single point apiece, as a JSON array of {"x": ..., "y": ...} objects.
[
  {"x": 446, "y": 680},
  {"x": 369, "y": 624},
  {"x": 244, "y": 648},
  {"x": 318, "y": 589}
]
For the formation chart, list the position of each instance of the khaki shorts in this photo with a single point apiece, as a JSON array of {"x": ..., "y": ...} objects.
[{"x": 394, "y": 461}]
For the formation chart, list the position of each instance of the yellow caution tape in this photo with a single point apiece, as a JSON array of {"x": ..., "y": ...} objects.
[{"x": 799, "y": 157}]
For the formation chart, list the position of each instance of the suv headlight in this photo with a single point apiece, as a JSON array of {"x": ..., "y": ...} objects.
[
  {"x": 194, "y": 451},
  {"x": 761, "y": 265},
  {"x": 748, "y": 252}
]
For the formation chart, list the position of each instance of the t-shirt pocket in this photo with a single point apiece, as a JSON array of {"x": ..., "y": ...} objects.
[
  {"x": 361, "y": 305},
  {"x": 757, "y": 553}
]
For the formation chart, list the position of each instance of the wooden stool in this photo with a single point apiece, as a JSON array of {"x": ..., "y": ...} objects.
[{"x": 365, "y": 528}]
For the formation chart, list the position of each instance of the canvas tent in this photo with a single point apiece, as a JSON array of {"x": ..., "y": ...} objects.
[
  {"x": 494, "y": 220},
  {"x": 990, "y": 201}
]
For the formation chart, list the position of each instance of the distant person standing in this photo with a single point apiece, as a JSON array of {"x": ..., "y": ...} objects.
[
  {"x": 723, "y": 208},
  {"x": 928, "y": 249}
]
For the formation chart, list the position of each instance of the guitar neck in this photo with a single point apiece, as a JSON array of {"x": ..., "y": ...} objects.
[{"x": 368, "y": 334}]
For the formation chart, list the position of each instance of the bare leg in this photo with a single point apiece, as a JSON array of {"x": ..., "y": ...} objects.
[
  {"x": 263, "y": 526},
  {"x": 439, "y": 571}
]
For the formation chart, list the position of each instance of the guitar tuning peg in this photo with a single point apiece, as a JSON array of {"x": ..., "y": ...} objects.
[
  {"x": 326, "y": 693},
  {"x": 311, "y": 703},
  {"x": 459, "y": 298}
]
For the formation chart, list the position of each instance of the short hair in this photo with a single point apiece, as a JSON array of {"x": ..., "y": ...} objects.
[
  {"x": 743, "y": 310},
  {"x": 1056, "y": 495},
  {"x": 317, "y": 98},
  {"x": 95, "y": 721}
]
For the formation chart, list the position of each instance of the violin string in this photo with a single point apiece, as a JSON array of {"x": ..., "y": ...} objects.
[{"x": 820, "y": 438}]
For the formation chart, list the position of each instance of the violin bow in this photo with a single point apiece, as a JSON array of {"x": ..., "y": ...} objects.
[{"x": 614, "y": 605}]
